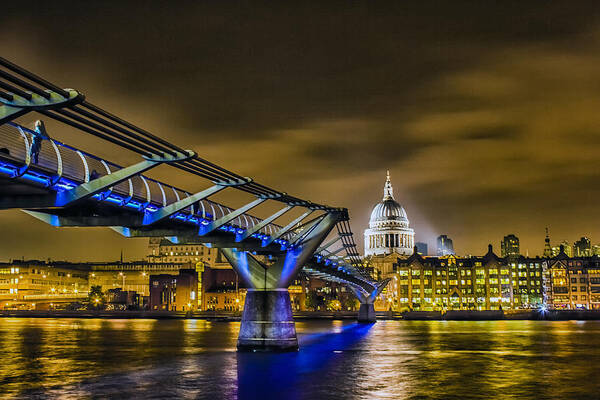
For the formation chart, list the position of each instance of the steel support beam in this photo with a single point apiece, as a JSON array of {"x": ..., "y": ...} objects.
[
  {"x": 286, "y": 268},
  {"x": 328, "y": 244},
  {"x": 173, "y": 208},
  {"x": 251, "y": 271},
  {"x": 82, "y": 221},
  {"x": 305, "y": 230},
  {"x": 205, "y": 229},
  {"x": 287, "y": 228},
  {"x": 21, "y": 105},
  {"x": 102, "y": 183},
  {"x": 336, "y": 251},
  {"x": 256, "y": 228}
]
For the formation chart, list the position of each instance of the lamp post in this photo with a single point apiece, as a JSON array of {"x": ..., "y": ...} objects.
[{"x": 123, "y": 285}]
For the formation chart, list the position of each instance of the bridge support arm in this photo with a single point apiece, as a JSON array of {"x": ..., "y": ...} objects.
[
  {"x": 102, "y": 183},
  {"x": 366, "y": 312},
  {"x": 286, "y": 268},
  {"x": 167, "y": 211},
  {"x": 267, "y": 320},
  {"x": 18, "y": 104},
  {"x": 287, "y": 228},
  {"x": 262, "y": 224},
  {"x": 204, "y": 229}
]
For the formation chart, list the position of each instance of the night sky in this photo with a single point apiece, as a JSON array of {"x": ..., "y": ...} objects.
[{"x": 487, "y": 114}]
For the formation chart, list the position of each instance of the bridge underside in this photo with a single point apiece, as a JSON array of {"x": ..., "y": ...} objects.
[{"x": 66, "y": 187}]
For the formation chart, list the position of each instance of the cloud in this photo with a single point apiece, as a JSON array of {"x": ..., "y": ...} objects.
[{"x": 486, "y": 115}]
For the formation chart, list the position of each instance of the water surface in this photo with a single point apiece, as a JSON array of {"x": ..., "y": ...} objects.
[{"x": 100, "y": 358}]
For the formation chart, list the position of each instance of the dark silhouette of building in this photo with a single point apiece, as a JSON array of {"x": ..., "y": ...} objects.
[
  {"x": 118, "y": 299},
  {"x": 547, "y": 247},
  {"x": 582, "y": 247},
  {"x": 174, "y": 292},
  {"x": 222, "y": 290},
  {"x": 445, "y": 247},
  {"x": 509, "y": 246},
  {"x": 421, "y": 248}
]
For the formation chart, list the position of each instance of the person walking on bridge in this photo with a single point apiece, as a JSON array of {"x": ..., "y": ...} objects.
[{"x": 36, "y": 140}]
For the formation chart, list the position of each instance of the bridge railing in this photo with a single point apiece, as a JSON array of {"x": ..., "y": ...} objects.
[{"x": 62, "y": 167}]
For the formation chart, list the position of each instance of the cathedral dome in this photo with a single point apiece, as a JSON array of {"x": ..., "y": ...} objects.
[
  {"x": 388, "y": 211},
  {"x": 389, "y": 230}
]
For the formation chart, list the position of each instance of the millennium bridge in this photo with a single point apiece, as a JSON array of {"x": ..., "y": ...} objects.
[{"x": 66, "y": 187}]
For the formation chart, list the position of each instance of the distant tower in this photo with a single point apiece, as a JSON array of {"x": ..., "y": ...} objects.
[
  {"x": 422, "y": 248},
  {"x": 582, "y": 247},
  {"x": 509, "y": 246},
  {"x": 547, "y": 247},
  {"x": 445, "y": 247}
]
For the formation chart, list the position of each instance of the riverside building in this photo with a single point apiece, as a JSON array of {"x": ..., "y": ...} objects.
[
  {"x": 488, "y": 282},
  {"x": 572, "y": 282}
]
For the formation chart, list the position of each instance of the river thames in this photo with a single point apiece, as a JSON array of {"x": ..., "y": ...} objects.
[{"x": 100, "y": 358}]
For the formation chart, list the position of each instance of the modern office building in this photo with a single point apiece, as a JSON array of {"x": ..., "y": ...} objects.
[
  {"x": 509, "y": 246},
  {"x": 445, "y": 247},
  {"x": 567, "y": 248},
  {"x": 582, "y": 247},
  {"x": 422, "y": 248}
]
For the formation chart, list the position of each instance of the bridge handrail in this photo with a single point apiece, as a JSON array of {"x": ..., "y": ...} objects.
[
  {"x": 29, "y": 92},
  {"x": 212, "y": 209}
]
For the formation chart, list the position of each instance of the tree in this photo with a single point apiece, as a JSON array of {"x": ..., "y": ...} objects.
[
  {"x": 312, "y": 300},
  {"x": 349, "y": 303},
  {"x": 96, "y": 299},
  {"x": 334, "y": 305}
]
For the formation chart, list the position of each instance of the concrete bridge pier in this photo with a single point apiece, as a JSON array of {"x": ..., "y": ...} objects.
[
  {"x": 366, "y": 312},
  {"x": 267, "y": 320}
]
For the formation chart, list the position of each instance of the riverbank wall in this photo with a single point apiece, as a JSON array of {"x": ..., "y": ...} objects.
[{"x": 455, "y": 315}]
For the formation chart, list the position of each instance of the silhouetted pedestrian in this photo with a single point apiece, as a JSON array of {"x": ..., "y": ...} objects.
[{"x": 36, "y": 141}]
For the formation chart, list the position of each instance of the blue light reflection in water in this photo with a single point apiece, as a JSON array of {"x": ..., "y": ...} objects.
[{"x": 262, "y": 375}]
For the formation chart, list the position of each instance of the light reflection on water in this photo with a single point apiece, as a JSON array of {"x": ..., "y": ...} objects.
[{"x": 70, "y": 358}]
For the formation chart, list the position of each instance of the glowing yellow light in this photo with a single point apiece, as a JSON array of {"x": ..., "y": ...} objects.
[
  {"x": 52, "y": 290},
  {"x": 96, "y": 300},
  {"x": 76, "y": 291},
  {"x": 237, "y": 300}
]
